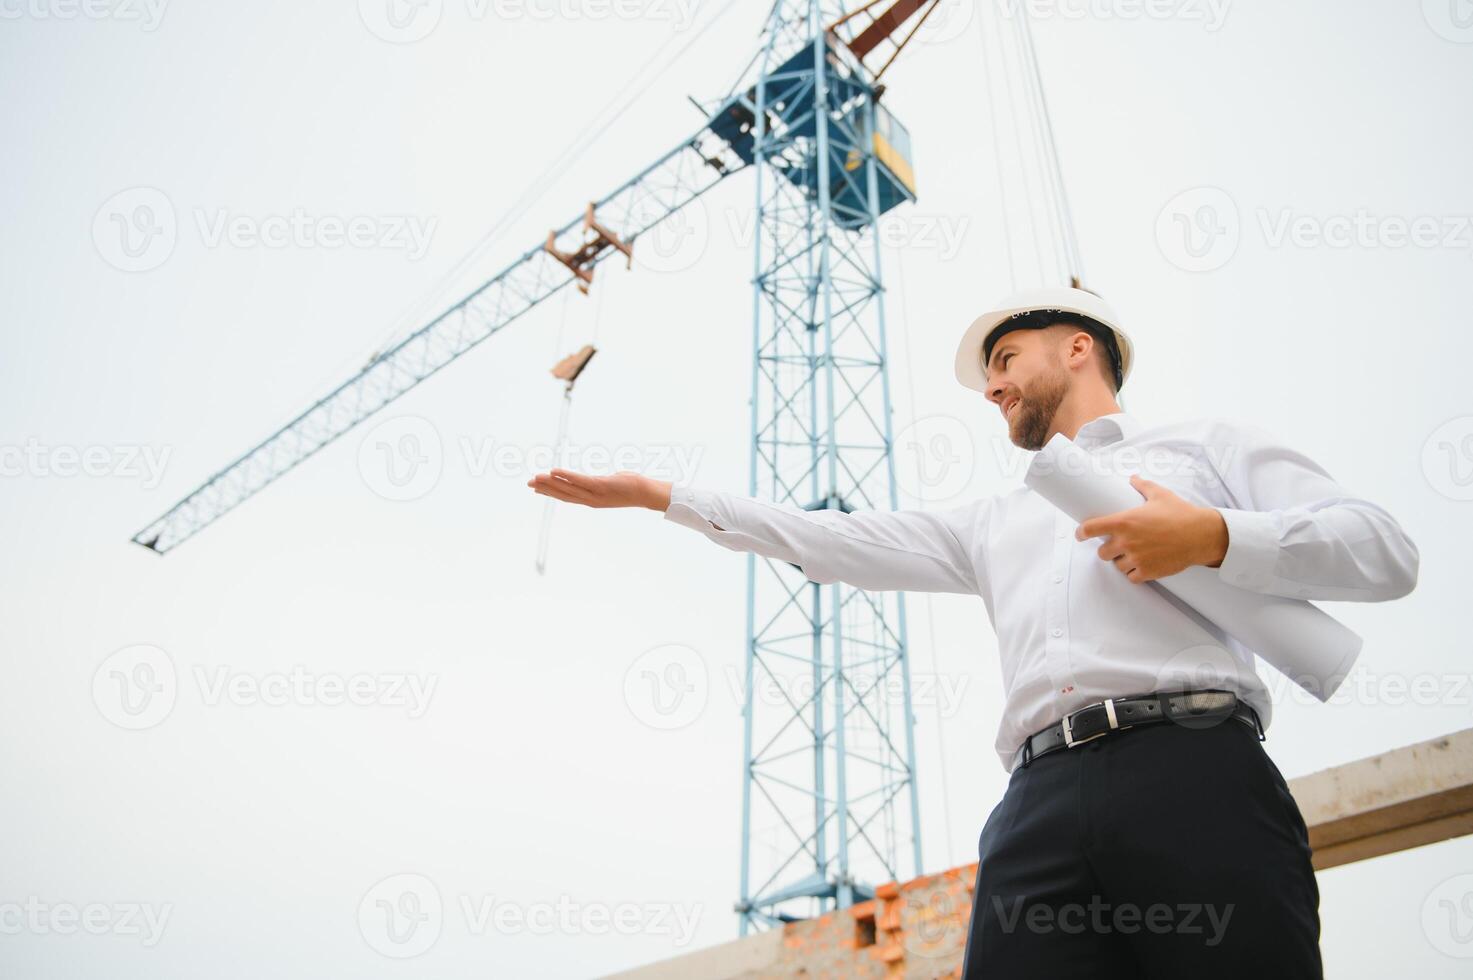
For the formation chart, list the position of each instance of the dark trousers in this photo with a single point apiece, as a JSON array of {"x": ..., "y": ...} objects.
[{"x": 1162, "y": 851}]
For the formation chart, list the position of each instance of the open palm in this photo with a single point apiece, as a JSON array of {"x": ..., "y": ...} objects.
[{"x": 622, "y": 489}]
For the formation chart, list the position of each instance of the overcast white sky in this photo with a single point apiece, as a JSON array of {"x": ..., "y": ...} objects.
[{"x": 521, "y": 783}]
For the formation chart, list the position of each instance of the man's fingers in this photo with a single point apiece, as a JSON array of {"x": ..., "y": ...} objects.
[
  {"x": 1096, "y": 526},
  {"x": 579, "y": 480},
  {"x": 562, "y": 489}
]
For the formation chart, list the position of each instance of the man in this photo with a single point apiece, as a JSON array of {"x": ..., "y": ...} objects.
[{"x": 1126, "y": 845}]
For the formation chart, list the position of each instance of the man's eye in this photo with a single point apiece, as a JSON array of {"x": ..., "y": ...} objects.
[{"x": 1006, "y": 358}]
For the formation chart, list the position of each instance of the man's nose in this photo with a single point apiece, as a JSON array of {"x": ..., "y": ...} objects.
[{"x": 994, "y": 394}]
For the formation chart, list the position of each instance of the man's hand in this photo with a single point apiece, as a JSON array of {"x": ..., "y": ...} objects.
[
  {"x": 623, "y": 489},
  {"x": 1161, "y": 537}
]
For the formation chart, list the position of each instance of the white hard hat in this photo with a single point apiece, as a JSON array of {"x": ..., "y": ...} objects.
[{"x": 1082, "y": 302}]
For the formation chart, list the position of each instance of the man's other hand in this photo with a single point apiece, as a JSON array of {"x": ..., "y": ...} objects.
[
  {"x": 1161, "y": 537},
  {"x": 623, "y": 489}
]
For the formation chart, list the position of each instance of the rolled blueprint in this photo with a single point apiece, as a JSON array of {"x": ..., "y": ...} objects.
[{"x": 1305, "y": 643}]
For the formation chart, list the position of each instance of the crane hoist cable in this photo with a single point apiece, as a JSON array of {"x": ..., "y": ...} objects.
[
  {"x": 587, "y": 136},
  {"x": 1070, "y": 232},
  {"x": 1046, "y": 208},
  {"x": 566, "y": 370},
  {"x": 1050, "y": 207}
]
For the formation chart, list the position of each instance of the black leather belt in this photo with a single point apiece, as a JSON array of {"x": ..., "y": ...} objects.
[{"x": 1199, "y": 709}]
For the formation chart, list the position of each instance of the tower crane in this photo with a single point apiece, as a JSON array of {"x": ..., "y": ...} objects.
[{"x": 829, "y": 797}]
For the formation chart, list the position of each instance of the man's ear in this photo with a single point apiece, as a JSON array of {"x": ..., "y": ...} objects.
[{"x": 1080, "y": 344}]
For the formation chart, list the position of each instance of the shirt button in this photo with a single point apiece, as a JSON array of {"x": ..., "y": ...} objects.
[
  {"x": 1058, "y": 578},
  {"x": 1058, "y": 632}
]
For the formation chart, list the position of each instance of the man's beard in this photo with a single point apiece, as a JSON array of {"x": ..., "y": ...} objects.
[{"x": 1035, "y": 412}]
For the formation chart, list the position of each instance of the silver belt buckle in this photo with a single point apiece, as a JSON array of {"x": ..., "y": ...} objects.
[{"x": 1070, "y": 741}]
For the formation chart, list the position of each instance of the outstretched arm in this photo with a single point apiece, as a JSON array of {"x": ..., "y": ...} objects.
[{"x": 922, "y": 551}]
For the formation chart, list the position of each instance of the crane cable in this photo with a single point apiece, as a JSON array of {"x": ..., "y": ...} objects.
[
  {"x": 1034, "y": 143},
  {"x": 1068, "y": 234},
  {"x": 533, "y": 194},
  {"x": 544, "y": 538}
]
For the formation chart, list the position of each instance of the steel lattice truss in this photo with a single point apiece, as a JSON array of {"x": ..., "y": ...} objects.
[
  {"x": 829, "y": 764},
  {"x": 672, "y": 182}
]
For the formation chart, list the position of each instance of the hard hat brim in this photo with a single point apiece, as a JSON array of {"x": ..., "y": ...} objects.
[{"x": 969, "y": 368}]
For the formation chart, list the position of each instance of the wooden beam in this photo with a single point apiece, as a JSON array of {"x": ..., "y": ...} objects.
[{"x": 1415, "y": 795}]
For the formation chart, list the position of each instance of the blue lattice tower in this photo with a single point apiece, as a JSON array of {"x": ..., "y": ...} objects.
[{"x": 829, "y": 792}]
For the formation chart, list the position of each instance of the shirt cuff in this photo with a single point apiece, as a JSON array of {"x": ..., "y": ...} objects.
[
  {"x": 690, "y": 507},
  {"x": 1252, "y": 550}
]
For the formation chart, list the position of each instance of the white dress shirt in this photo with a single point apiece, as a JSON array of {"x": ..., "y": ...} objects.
[{"x": 1071, "y": 628}]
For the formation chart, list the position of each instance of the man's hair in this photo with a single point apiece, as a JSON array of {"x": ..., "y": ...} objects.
[{"x": 1039, "y": 319}]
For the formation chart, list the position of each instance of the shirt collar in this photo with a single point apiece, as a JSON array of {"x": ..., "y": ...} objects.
[{"x": 1106, "y": 429}]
